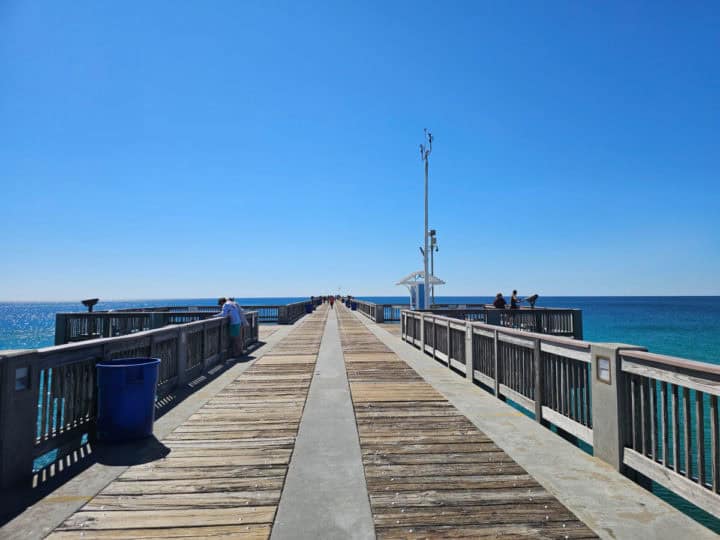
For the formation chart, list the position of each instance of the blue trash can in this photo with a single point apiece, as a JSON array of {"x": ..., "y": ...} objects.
[
  {"x": 353, "y": 306},
  {"x": 126, "y": 398},
  {"x": 308, "y": 308}
]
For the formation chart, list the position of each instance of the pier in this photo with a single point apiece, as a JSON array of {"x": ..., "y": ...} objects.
[{"x": 340, "y": 425}]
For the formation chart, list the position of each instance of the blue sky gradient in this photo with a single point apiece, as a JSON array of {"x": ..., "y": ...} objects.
[{"x": 187, "y": 149}]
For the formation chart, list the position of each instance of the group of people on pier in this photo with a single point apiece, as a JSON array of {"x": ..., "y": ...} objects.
[{"x": 501, "y": 303}]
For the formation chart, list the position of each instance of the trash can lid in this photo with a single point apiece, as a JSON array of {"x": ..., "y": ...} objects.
[{"x": 126, "y": 362}]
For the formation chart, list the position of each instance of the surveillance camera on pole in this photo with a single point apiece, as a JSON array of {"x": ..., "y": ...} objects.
[{"x": 425, "y": 151}]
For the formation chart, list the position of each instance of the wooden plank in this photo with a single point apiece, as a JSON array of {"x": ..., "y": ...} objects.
[
  {"x": 514, "y": 340},
  {"x": 709, "y": 386},
  {"x": 566, "y": 352},
  {"x": 518, "y": 398},
  {"x": 582, "y": 432},
  {"x": 196, "y": 485},
  {"x": 692, "y": 491},
  {"x": 182, "y": 501},
  {"x": 222, "y": 532},
  {"x": 486, "y": 380},
  {"x": 141, "y": 519}
]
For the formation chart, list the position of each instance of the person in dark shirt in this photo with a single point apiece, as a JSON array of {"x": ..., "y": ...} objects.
[
  {"x": 514, "y": 301},
  {"x": 499, "y": 301}
]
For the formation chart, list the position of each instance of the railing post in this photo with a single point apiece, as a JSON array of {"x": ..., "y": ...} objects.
[
  {"x": 539, "y": 376},
  {"x": 20, "y": 379},
  {"x": 497, "y": 363},
  {"x": 577, "y": 324},
  {"x": 282, "y": 315},
  {"x": 157, "y": 320},
  {"x": 181, "y": 355},
  {"x": 379, "y": 313},
  {"x": 422, "y": 332},
  {"x": 493, "y": 316},
  {"x": 60, "y": 328},
  {"x": 609, "y": 399},
  {"x": 449, "y": 344},
  {"x": 469, "y": 364}
]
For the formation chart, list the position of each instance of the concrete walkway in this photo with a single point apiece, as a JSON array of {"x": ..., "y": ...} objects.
[{"x": 325, "y": 495}]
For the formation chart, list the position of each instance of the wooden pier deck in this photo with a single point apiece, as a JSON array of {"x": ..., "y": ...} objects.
[
  {"x": 227, "y": 463},
  {"x": 428, "y": 471}
]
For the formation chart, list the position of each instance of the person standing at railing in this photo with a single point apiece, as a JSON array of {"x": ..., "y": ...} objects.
[
  {"x": 243, "y": 319},
  {"x": 515, "y": 300},
  {"x": 237, "y": 320}
]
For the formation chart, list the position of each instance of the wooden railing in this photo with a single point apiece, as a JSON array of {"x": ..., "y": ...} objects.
[
  {"x": 72, "y": 327},
  {"x": 380, "y": 313},
  {"x": 671, "y": 424},
  {"x": 553, "y": 321},
  {"x": 81, "y": 326},
  {"x": 48, "y": 396},
  {"x": 651, "y": 414}
]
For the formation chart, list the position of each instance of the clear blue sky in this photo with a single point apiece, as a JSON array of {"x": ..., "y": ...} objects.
[{"x": 181, "y": 149}]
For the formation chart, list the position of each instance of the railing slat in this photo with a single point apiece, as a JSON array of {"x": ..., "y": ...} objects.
[
  {"x": 687, "y": 432},
  {"x": 664, "y": 424},
  {"x": 700, "y": 436},
  {"x": 675, "y": 429},
  {"x": 715, "y": 444},
  {"x": 643, "y": 416}
]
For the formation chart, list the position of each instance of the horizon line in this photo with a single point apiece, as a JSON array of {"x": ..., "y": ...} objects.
[{"x": 17, "y": 301}]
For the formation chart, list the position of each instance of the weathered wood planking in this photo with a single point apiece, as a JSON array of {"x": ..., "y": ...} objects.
[
  {"x": 227, "y": 462},
  {"x": 430, "y": 472}
]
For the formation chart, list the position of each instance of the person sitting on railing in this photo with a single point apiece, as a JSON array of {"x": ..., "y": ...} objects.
[{"x": 499, "y": 302}]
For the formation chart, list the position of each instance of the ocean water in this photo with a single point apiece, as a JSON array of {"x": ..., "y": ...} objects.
[
  {"x": 685, "y": 326},
  {"x": 29, "y": 325}
]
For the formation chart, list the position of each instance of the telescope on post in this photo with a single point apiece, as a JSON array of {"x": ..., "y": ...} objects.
[{"x": 90, "y": 303}]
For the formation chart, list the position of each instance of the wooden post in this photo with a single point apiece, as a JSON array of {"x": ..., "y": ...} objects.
[
  {"x": 449, "y": 344},
  {"x": 18, "y": 417},
  {"x": 497, "y": 364},
  {"x": 577, "y": 324},
  {"x": 181, "y": 355},
  {"x": 60, "y": 328},
  {"x": 539, "y": 375},
  {"x": 469, "y": 364}
]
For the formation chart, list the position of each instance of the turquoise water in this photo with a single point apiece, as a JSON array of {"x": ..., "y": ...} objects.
[
  {"x": 28, "y": 325},
  {"x": 685, "y": 326},
  {"x": 681, "y": 326}
]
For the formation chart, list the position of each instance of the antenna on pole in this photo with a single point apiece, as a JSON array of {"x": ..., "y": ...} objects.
[{"x": 425, "y": 151}]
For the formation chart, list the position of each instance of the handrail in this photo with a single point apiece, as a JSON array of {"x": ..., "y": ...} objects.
[
  {"x": 655, "y": 414},
  {"x": 48, "y": 395},
  {"x": 82, "y": 326},
  {"x": 555, "y": 321}
]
